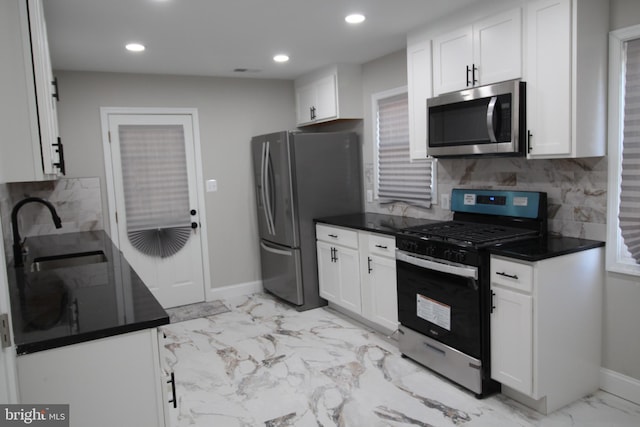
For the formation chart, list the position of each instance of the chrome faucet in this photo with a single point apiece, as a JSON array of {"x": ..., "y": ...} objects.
[{"x": 17, "y": 244}]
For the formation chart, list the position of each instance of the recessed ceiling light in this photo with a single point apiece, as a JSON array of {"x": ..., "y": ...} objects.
[
  {"x": 355, "y": 18},
  {"x": 281, "y": 58},
  {"x": 135, "y": 47}
]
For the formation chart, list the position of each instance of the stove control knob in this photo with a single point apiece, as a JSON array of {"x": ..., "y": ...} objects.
[{"x": 460, "y": 257}]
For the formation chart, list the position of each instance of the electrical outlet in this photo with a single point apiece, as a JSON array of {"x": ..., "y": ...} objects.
[
  {"x": 444, "y": 202},
  {"x": 370, "y": 196}
]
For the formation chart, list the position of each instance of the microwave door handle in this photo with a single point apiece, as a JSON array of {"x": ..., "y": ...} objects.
[{"x": 491, "y": 112}]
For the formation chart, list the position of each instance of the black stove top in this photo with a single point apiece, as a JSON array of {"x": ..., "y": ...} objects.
[{"x": 468, "y": 233}]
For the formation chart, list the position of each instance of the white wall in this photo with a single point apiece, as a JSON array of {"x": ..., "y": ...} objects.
[{"x": 230, "y": 112}]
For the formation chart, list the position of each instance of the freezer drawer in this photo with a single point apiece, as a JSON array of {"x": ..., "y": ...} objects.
[{"x": 282, "y": 271}]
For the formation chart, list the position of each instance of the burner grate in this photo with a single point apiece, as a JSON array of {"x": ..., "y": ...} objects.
[{"x": 470, "y": 233}]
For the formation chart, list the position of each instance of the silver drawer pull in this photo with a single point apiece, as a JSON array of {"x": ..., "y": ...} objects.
[
  {"x": 333, "y": 235},
  {"x": 436, "y": 349},
  {"x": 510, "y": 276},
  {"x": 382, "y": 247}
]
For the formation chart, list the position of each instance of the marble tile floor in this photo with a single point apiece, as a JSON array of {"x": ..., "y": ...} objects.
[{"x": 264, "y": 364}]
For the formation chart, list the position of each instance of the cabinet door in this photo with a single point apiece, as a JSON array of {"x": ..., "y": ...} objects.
[
  {"x": 99, "y": 374},
  {"x": 382, "y": 293},
  {"x": 328, "y": 273},
  {"x": 326, "y": 106},
  {"x": 497, "y": 47},
  {"x": 452, "y": 54},
  {"x": 419, "y": 81},
  {"x": 349, "y": 278},
  {"x": 46, "y": 92},
  {"x": 305, "y": 99},
  {"x": 548, "y": 58},
  {"x": 512, "y": 339}
]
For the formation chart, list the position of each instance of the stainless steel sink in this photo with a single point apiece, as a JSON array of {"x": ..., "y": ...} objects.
[{"x": 67, "y": 260}]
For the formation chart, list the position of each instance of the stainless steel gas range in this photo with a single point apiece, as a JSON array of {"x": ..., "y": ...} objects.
[{"x": 444, "y": 298}]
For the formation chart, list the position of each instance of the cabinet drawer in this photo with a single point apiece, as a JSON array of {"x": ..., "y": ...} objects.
[
  {"x": 511, "y": 274},
  {"x": 382, "y": 245},
  {"x": 337, "y": 235}
]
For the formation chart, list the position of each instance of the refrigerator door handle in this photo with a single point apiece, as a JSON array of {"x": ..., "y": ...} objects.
[
  {"x": 269, "y": 207},
  {"x": 263, "y": 196},
  {"x": 274, "y": 250},
  {"x": 266, "y": 189}
]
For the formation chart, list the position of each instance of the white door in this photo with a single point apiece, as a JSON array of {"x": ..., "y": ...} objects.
[
  {"x": 452, "y": 61},
  {"x": 155, "y": 193},
  {"x": 328, "y": 278},
  {"x": 549, "y": 81},
  {"x": 349, "y": 278},
  {"x": 497, "y": 47},
  {"x": 384, "y": 293},
  {"x": 512, "y": 339}
]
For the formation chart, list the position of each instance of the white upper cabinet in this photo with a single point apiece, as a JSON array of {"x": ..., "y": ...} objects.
[
  {"x": 453, "y": 61},
  {"x": 31, "y": 149},
  {"x": 486, "y": 52},
  {"x": 566, "y": 115},
  {"x": 330, "y": 93},
  {"x": 419, "y": 90}
]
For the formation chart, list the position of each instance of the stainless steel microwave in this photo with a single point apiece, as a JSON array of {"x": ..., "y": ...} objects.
[{"x": 485, "y": 120}]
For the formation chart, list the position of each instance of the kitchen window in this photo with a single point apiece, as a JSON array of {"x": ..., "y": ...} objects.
[
  {"x": 397, "y": 177},
  {"x": 623, "y": 229}
]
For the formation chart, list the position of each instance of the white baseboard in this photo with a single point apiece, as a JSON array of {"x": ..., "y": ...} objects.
[
  {"x": 620, "y": 385},
  {"x": 234, "y": 290}
]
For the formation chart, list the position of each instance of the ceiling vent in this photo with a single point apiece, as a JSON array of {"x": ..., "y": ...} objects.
[{"x": 246, "y": 70}]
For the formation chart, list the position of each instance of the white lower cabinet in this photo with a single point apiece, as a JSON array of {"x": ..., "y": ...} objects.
[
  {"x": 339, "y": 275},
  {"x": 546, "y": 327},
  {"x": 339, "y": 266},
  {"x": 114, "y": 381},
  {"x": 511, "y": 339},
  {"x": 378, "y": 284},
  {"x": 357, "y": 272}
]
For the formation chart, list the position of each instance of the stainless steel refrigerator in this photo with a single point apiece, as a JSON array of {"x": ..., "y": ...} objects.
[{"x": 298, "y": 177}]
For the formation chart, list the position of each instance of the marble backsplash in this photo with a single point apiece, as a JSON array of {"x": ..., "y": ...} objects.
[
  {"x": 77, "y": 201},
  {"x": 576, "y": 189}
]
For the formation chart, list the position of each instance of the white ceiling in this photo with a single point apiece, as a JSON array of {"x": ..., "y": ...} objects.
[{"x": 214, "y": 37}]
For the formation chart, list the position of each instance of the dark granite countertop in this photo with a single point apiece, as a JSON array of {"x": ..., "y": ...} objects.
[
  {"x": 377, "y": 223},
  {"x": 63, "y": 306},
  {"x": 544, "y": 248},
  {"x": 527, "y": 250}
]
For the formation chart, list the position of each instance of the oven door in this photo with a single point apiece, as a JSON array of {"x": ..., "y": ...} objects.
[{"x": 440, "y": 300}]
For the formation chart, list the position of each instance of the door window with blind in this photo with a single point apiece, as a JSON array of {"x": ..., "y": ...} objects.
[
  {"x": 397, "y": 177},
  {"x": 156, "y": 188},
  {"x": 623, "y": 233}
]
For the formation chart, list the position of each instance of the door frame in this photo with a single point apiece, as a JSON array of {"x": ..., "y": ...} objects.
[
  {"x": 111, "y": 195},
  {"x": 8, "y": 368}
]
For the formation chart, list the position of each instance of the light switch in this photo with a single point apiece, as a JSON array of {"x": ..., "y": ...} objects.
[
  {"x": 212, "y": 185},
  {"x": 444, "y": 202}
]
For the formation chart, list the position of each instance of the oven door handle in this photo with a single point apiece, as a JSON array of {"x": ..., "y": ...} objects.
[{"x": 456, "y": 270}]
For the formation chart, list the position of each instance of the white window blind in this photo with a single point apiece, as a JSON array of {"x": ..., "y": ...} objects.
[
  {"x": 156, "y": 188},
  {"x": 399, "y": 178},
  {"x": 630, "y": 183}
]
